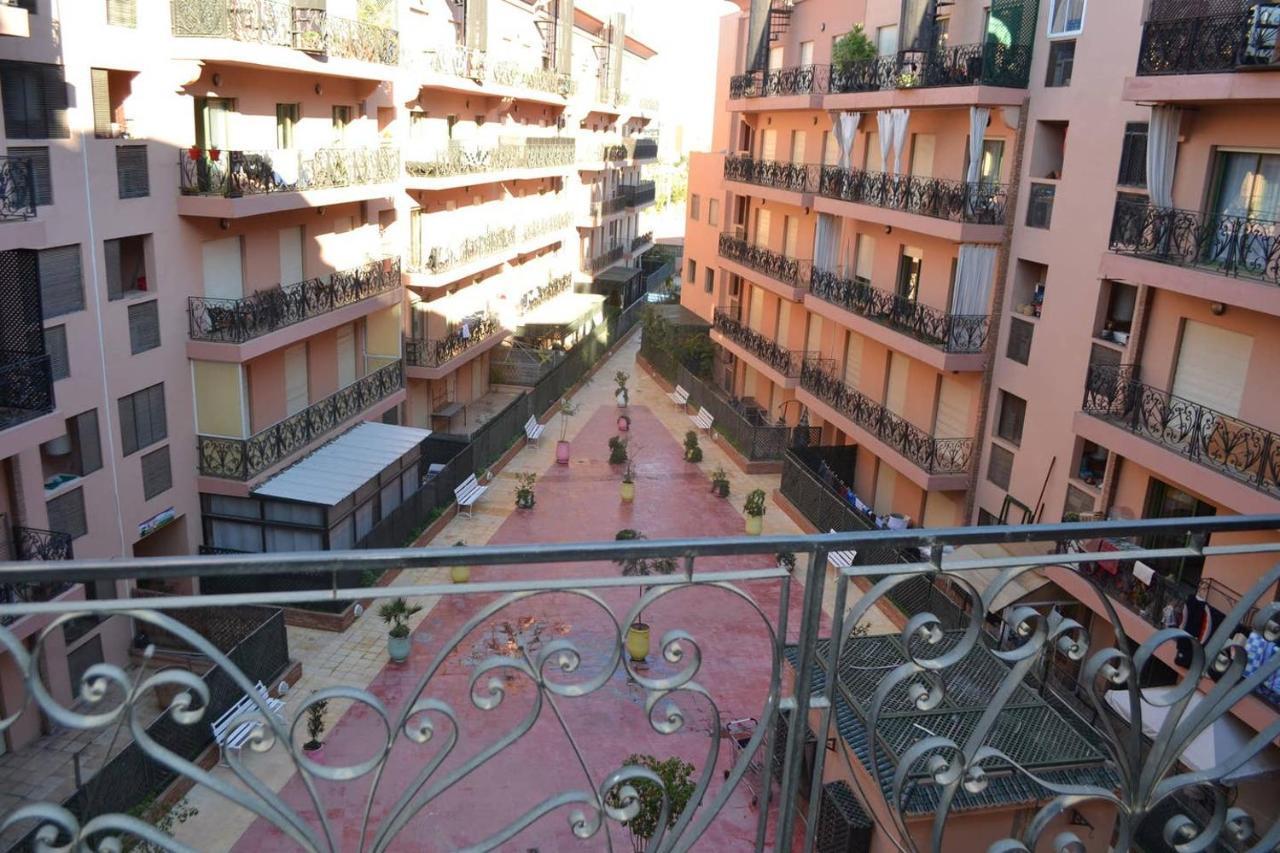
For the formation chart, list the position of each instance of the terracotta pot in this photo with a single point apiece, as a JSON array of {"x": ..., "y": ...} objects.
[
  {"x": 628, "y": 492},
  {"x": 562, "y": 452},
  {"x": 638, "y": 641},
  {"x": 398, "y": 648},
  {"x": 755, "y": 525},
  {"x": 460, "y": 574}
]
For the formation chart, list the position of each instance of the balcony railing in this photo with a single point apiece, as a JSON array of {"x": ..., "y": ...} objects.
[
  {"x": 235, "y": 321},
  {"x": 784, "y": 361},
  {"x": 609, "y": 206},
  {"x": 17, "y": 189},
  {"x": 429, "y": 353},
  {"x": 790, "y": 271},
  {"x": 556, "y": 285},
  {"x": 493, "y": 242},
  {"x": 26, "y": 387},
  {"x": 243, "y": 458},
  {"x": 933, "y": 455},
  {"x": 1237, "y": 449},
  {"x": 645, "y": 149},
  {"x": 793, "y": 177},
  {"x": 1232, "y": 246},
  {"x": 639, "y": 194},
  {"x": 979, "y": 203},
  {"x": 497, "y": 158},
  {"x": 283, "y": 24},
  {"x": 217, "y": 172},
  {"x": 641, "y": 240},
  {"x": 606, "y": 258},
  {"x": 1210, "y": 44},
  {"x": 31, "y": 543},
  {"x": 472, "y": 64},
  {"x": 954, "y": 333}
]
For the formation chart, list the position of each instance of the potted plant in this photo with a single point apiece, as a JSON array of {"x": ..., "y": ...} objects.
[
  {"x": 567, "y": 410},
  {"x": 638, "y": 631},
  {"x": 851, "y": 48},
  {"x": 629, "y": 482},
  {"x": 720, "y": 482},
  {"x": 754, "y": 507},
  {"x": 315, "y": 724},
  {"x": 677, "y": 788},
  {"x": 396, "y": 613},
  {"x": 617, "y": 451},
  {"x": 624, "y": 423},
  {"x": 462, "y": 573},
  {"x": 692, "y": 452},
  {"x": 621, "y": 394},
  {"x": 524, "y": 490},
  {"x": 786, "y": 560}
]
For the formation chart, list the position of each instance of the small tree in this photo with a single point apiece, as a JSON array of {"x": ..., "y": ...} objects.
[
  {"x": 677, "y": 786},
  {"x": 567, "y": 410},
  {"x": 315, "y": 723},
  {"x": 524, "y": 490},
  {"x": 851, "y": 48},
  {"x": 396, "y": 613},
  {"x": 692, "y": 452},
  {"x": 623, "y": 395},
  {"x": 617, "y": 450},
  {"x": 754, "y": 505},
  {"x": 642, "y": 567}
]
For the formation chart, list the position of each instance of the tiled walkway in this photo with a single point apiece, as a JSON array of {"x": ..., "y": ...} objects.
[{"x": 575, "y": 503}]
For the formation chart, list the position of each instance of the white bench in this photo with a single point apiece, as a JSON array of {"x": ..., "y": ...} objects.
[
  {"x": 533, "y": 430},
  {"x": 468, "y": 492},
  {"x": 841, "y": 559},
  {"x": 231, "y": 732},
  {"x": 679, "y": 396},
  {"x": 703, "y": 420}
]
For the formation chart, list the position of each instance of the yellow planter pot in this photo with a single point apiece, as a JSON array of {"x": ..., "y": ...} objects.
[
  {"x": 638, "y": 641},
  {"x": 460, "y": 574},
  {"x": 755, "y": 525},
  {"x": 628, "y": 492}
]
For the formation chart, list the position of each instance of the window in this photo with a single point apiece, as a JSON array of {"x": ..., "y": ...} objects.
[
  {"x": 1000, "y": 466},
  {"x": 156, "y": 476},
  {"x": 909, "y": 273},
  {"x": 55, "y": 344},
  {"x": 887, "y": 40},
  {"x": 132, "y": 177},
  {"x": 806, "y": 53},
  {"x": 709, "y": 279},
  {"x": 66, "y": 514},
  {"x": 61, "y": 283},
  {"x": 144, "y": 326},
  {"x": 108, "y": 88},
  {"x": 693, "y": 271},
  {"x": 142, "y": 418},
  {"x": 35, "y": 100},
  {"x": 1133, "y": 155},
  {"x": 122, "y": 13},
  {"x": 41, "y": 176},
  {"x": 713, "y": 212},
  {"x": 987, "y": 519},
  {"x": 1066, "y": 17},
  {"x": 1078, "y": 502},
  {"x": 341, "y": 118},
  {"x": 1013, "y": 411},
  {"x": 1020, "y": 336},
  {"x": 695, "y": 206},
  {"x": 286, "y": 120},
  {"x": 1246, "y": 189},
  {"x": 942, "y": 32},
  {"x": 1040, "y": 205},
  {"x": 126, "y": 266},
  {"x": 86, "y": 447},
  {"x": 1062, "y": 57}
]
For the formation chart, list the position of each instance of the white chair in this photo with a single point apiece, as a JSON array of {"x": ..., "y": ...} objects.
[
  {"x": 533, "y": 430},
  {"x": 231, "y": 732}
]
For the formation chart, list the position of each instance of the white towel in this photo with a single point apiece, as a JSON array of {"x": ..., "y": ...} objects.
[{"x": 1143, "y": 572}]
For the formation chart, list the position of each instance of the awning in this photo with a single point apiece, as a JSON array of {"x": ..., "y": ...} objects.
[
  {"x": 1023, "y": 585},
  {"x": 332, "y": 472},
  {"x": 1225, "y": 736},
  {"x": 567, "y": 309},
  {"x": 618, "y": 275}
]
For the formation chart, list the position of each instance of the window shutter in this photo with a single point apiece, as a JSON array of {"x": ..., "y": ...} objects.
[
  {"x": 132, "y": 177},
  {"x": 159, "y": 428},
  {"x": 1000, "y": 469},
  {"x": 144, "y": 326},
  {"x": 115, "y": 284},
  {"x": 85, "y": 425},
  {"x": 122, "y": 13},
  {"x": 14, "y": 89},
  {"x": 55, "y": 344},
  {"x": 66, "y": 513},
  {"x": 41, "y": 176},
  {"x": 476, "y": 24},
  {"x": 54, "y": 89},
  {"x": 156, "y": 475},
  {"x": 100, "y": 86},
  {"x": 61, "y": 285},
  {"x": 128, "y": 426}
]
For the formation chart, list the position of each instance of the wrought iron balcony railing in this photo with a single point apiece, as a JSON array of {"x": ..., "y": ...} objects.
[
  {"x": 235, "y": 321},
  {"x": 1237, "y": 449},
  {"x": 497, "y": 158},
  {"x": 31, "y": 543},
  {"x": 243, "y": 458},
  {"x": 793, "y": 177},
  {"x": 993, "y": 712},
  {"x": 954, "y": 333},
  {"x": 1232, "y": 246},
  {"x": 790, "y": 271},
  {"x": 492, "y": 243},
  {"x": 1210, "y": 44},
  {"x": 284, "y": 24},
  {"x": 606, "y": 258},
  {"x": 26, "y": 387},
  {"x": 639, "y": 194},
  {"x": 645, "y": 149},
  {"x": 979, "y": 203},
  {"x": 641, "y": 240},
  {"x": 17, "y": 189},
  {"x": 429, "y": 353},
  {"x": 609, "y": 206},
  {"x": 556, "y": 285},
  {"x": 929, "y": 454},
  {"x": 473, "y": 64},
  {"x": 234, "y": 174},
  {"x": 785, "y": 361}
]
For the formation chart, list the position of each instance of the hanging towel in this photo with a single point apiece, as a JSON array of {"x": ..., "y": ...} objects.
[{"x": 1143, "y": 572}]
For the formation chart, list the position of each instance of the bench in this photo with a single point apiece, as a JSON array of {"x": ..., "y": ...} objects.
[
  {"x": 841, "y": 559},
  {"x": 468, "y": 492},
  {"x": 533, "y": 430},
  {"x": 679, "y": 396},
  {"x": 231, "y": 732},
  {"x": 703, "y": 420}
]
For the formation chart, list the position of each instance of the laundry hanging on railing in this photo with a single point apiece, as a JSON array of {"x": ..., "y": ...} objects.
[
  {"x": 978, "y": 118},
  {"x": 1162, "y": 153}
]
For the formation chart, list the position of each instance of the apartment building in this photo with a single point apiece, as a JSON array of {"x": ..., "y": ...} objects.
[
  {"x": 233, "y": 231},
  {"x": 1017, "y": 260}
]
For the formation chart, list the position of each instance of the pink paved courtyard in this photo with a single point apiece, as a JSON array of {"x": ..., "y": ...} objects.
[{"x": 577, "y": 502}]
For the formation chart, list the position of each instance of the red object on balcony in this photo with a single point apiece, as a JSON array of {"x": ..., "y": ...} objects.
[
  {"x": 214, "y": 153},
  {"x": 194, "y": 152}
]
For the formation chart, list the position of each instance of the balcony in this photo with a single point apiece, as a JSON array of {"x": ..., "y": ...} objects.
[
  {"x": 1211, "y": 44},
  {"x": 452, "y": 259},
  {"x": 494, "y": 161},
  {"x": 437, "y": 353},
  {"x": 479, "y": 68},
  {"x": 641, "y": 240},
  {"x": 789, "y": 271},
  {"x": 937, "y": 198},
  {"x": 645, "y": 149},
  {"x": 1246, "y": 453},
  {"x": 556, "y": 285},
  {"x": 278, "y": 23},
  {"x": 606, "y": 259},
  {"x": 607, "y": 207},
  {"x": 26, "y": 387},
  {"x": 929, "y": 454},
  {"x": 30, "y": 543},
  {"x": 789, "y": 177},
  {"x": 783, "y": 361},
  {"x": 244, "y": 458},
  {"x": 639, "y": 194},
  {"x": 235, "y": 321},
  {"x": 17, "y": 201}
]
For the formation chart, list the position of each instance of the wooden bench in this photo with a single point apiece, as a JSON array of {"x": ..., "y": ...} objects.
[
  {"x": 680, "y": 397},
  {"x": 231, "y": 732},
  {"x": 703, "y": 420},
  {"x": 841, "y": 559},
  {"x": 468, "y": 492},
  {"x": 533, "y": 430}
]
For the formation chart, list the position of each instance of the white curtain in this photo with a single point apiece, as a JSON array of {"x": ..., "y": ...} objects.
[
  {"x": 848, "y": 242},
  {"x": 1012, "y": 116},
  {"x": 848, "y": 127},
  {"x": 975, "y": 270},
  {"x": 978, "y": 118},
  {"x": 1162, "y": 153},
  {"x": 884, "y": 124},
  {"x": 826, "y": 242},
  {"x": 900, "y": 119}
]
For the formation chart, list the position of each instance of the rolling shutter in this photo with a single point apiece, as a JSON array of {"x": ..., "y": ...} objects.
[
  {"x": 41, "y": 174},
  {"x": 886, "y": 482},
  {"x": 156, "y": 474},
  {"x": 797, "y": 146},
  {"x": 895, "y": 398},
  {"x": 222, "y": 272},
  {"x": 853, "y": 360},
  {"x": 122, "y": 13},
  {"x": 1000, "y": 468},
  {"x": 756, "y": 310},
  {"x": 813, "y": 338},
  {"x": 769, "y": 144},
  {"x": 61, "y": 285},
  {"x": 295, "y": 379},
  {"x": 763, "y": 222},
  {"x": 144, "y": 326},
  {"x": 132, "y": 178},
  {"x": 954, "y": 402},
  {"x": 1212, "y": 364},
  {"x": 476, "y": 24},
  {"x": 35, "y": 100},
  {"x": 55, "y": 344},
  {"x": 866, "y": 257},
  {"x": 100, "y": 87},
  {"x": 346, "y": 356},
  {"x": 922, "y": 155},
  {"x": 66, "y": 514},
  {"x": 790, "y": 235},
  {"x": 291, "y": 255},
  {"x": 783, "y": 333},
  {"x": 89, "y": 446}
]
